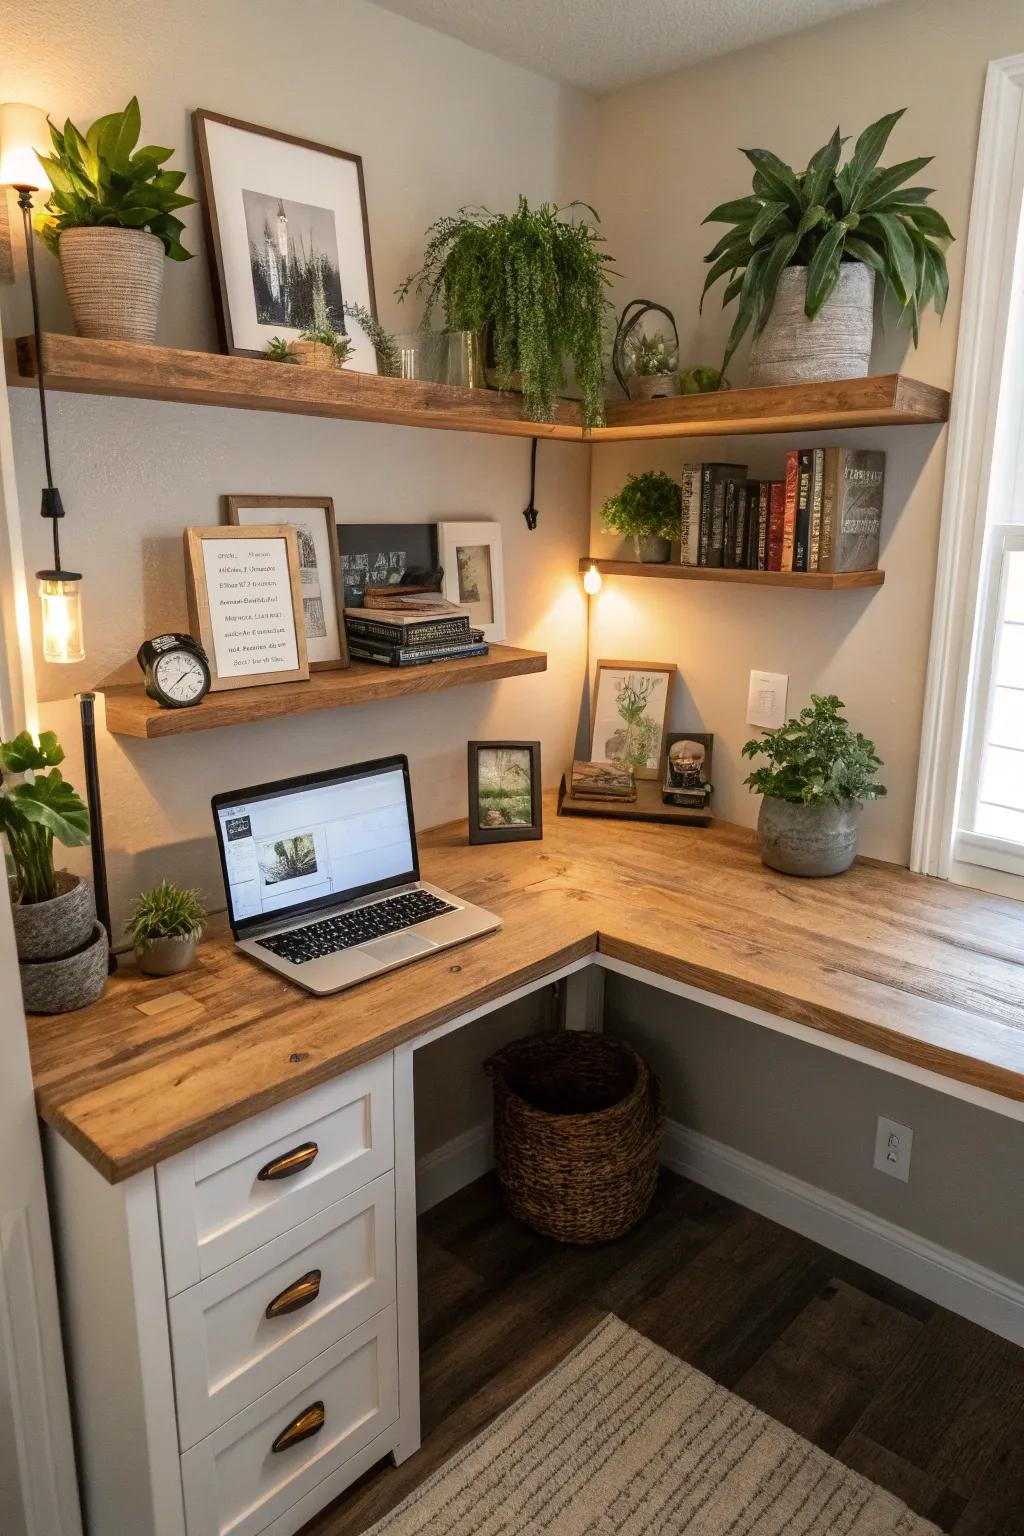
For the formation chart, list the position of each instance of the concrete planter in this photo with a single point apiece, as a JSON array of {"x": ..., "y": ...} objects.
[
  {"x": 114, "y": 280},
  {"x": 652, "y": 549},
  {"x": 811, "y": 840},
  {"x": 167, "y": 956},
  {"x": 836, "y": 344},
  {"x": 46, "y": 930},
  {"x": 58, "y": 986}
]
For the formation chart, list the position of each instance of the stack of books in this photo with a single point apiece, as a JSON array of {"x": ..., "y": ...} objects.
[
  {"x": 411, "y": 634},
  {"x": 602, "y": 781}
]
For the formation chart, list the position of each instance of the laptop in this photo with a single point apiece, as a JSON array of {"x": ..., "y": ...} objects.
[{"x": 323, "y": 880}]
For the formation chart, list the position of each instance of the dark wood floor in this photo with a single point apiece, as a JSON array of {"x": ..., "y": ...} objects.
[{"x": 915, "y": 1398}]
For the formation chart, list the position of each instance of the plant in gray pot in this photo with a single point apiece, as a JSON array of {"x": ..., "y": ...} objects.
[
  {"x": 165, "y": 926},
  {"x": 819, "y": 773},
  {"x": 62, "y": 949},
  {"x": 807, "y": 250},
  {"x": 648, "y": 510}
]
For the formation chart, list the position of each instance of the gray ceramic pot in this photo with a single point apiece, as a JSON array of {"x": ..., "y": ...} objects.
[
  {"x": 166, "y": 957},
  {"x": 811, "y": 840},
  {"x": 836, "y": 344},
  {"x": 58, "y": 986},
  {"x": 46, "y": 930},
  {"x": 652, "y": 550}
]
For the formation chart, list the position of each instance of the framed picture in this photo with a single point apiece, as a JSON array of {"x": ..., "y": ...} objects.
[
  {"x": 245, "y": 604},
  {"x": 504, "y": 791},
  {"x": 473, "y": 575},
  {"x": 686, "y": 772},
  {"x": 380, "y": 554},
  {"x": 288, "y": 235},
  {"x": 312, "y": 517},
  {"x": 630, "y": 707}
]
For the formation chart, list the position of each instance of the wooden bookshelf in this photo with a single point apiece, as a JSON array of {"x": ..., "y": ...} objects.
[
  {"x": 130, "y": 712},
  {"x": 810, "y": 581}
]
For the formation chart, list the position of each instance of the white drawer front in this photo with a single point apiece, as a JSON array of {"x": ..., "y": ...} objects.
[
  {"x": 215, "y": 1207},
  {"x": 235, "y": 1484},
  {"x": 228, "y": 1352}
]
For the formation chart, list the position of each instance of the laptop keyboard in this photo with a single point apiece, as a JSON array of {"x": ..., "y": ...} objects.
[{"x": 359, "y": 926}]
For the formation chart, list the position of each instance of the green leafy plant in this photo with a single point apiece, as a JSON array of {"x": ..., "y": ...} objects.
[
  {"x": 35, "y": 808},
  {"x": 649, "y": 505},
  {"x": 823, "y": 216},
  {"x": 323, "y": 332},
  {"x": 280, "y": 351},
  {"x": 168, "y": 911},
  {"x": 536, "y": 280},
  {"x": 816, "y": 759},
  {"x": 651, "y": 355},
  {"x": 100, "y": 178},
  {"x": 382, "y": 341}
]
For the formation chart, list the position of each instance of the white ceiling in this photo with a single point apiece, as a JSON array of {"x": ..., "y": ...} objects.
[{"x": 600, "y": 45}]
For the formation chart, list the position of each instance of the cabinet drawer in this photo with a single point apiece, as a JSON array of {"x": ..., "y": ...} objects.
[
  {"x": 320, "y": 1280},
  {"x": 234, "y": 1481},
  {"x": 233, "y": 1193}
]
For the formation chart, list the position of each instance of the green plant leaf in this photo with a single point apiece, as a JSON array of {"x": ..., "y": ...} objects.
[
  {"x": 899, "y": 252},
  {"x": 928, "y": 220},
  {"x": 741, "y": 210},
  {"x": 823, "y": 269},
  {"x": 50, "y": 802},
  {"x": 749, "y": 302},
  {"x": 883, "y": 183},
  {"x": 778, "y": 258},
  {"x": 867, "y": 150},
  {"x": 771, "y": 215},
  {"x": 821, "y": 168},
  {"x": 778, "y": 178}
]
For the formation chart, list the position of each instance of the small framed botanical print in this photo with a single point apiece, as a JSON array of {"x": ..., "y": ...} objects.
[
  {"x": 473, "y": 576},
  {"x": 630, "y": 708},
  {"x": 312, "y": 517},
  {"x": 245, "y": 604},
  {"x": 504, "y": 791}
]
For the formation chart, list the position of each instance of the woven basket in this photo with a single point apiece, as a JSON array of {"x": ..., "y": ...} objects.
[
  {"x": 577, "y": 1133},
  {"x": 652, "y": 386},
  {"x": 114, "y": 279},
  {"x": 314, "y": 354}
]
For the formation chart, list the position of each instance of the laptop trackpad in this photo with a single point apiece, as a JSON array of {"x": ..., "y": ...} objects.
[{"x": 395, "y": 947}]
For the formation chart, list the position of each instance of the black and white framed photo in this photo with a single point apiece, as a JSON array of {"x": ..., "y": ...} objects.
[
  {"x": 312, "y": 517},
  {"x": 504, "y": 791},
  {"x": 473, "y": 575},
  {"x": 288, "y": 233}
]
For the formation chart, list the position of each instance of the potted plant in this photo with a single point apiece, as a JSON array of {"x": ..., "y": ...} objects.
[
  {"x": 806, "y": 247},
  {"x": 62, "y": 949},
  {"x": 652, "y": 363},
  {"x": 320, "y": 345},
  {"x": 534, "y": 281},
  {"x": 819, "y": 772},
  {"x": 649, "y": 510},
  {"x": 110, "y": 218},
  {"x": 165, "y": 926}
]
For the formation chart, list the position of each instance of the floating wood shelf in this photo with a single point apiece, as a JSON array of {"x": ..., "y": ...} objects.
[
  {"x": 130, "y": 712},
  {"x": 812, "y": 581},
  {"x": 79, "y": 365}
]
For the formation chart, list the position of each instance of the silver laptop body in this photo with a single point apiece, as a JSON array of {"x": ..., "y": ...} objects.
[{"x": 322, "y": 877}]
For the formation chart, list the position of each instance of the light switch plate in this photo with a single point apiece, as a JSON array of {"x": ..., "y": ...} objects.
[
  {"x": 893, "y": 1146},
  {"x": 766, "y": 702}
]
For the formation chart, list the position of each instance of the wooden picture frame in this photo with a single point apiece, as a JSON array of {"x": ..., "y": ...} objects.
[
  {"x": 322, "y": 594},
  {"x": 474, "y": 576},
  {"x": 609, "y": 722},
  {"x": 211, "y": 615},
  {"x": 224, "y": 240},
  {"x": 484, "y": 829}
]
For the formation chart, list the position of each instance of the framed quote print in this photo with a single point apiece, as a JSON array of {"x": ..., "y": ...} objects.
[
  {"x": 312, "y": 517},
  {"x": 245, "y": 604}
]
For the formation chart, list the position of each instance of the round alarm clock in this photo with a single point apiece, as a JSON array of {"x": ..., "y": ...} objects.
[{"x": 176, "y": 670}]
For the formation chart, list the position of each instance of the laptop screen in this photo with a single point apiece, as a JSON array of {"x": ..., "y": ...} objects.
[{"x": 291, "y": 847}]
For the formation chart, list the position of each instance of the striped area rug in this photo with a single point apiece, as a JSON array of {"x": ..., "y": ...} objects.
[{"x": 623, "y": 1439}]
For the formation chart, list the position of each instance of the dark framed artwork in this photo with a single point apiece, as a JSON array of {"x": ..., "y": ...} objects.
[
  {"x": 504, "y": 791},
  {"x": 288, "y": 235},
  {"x": 380, "y": 554},
  {"x": 312, "y": 517}
]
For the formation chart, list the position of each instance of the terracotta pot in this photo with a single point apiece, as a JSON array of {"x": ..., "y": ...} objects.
[
  {"x": 814, "y": 840},
  {"x": 652, "y": 386},
  {"x": 314, "y": 354},
  {"x": 167, "y": 956},
  {"x": 114, "y": 279},
  {"x": 46, "y": 930},
  {"x": 836, "y": 344},
  {"x": 74, "y": 981}
]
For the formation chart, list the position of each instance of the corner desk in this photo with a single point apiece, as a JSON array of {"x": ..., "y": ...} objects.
[{"x": 232, "y": 1160}]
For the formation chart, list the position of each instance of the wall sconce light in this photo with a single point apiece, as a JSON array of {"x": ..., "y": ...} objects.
[{"x": 592, "y": 582}]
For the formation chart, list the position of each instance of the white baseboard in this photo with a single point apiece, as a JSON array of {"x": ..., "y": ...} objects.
[
  {"x": 979, "y": 1294},
  {"x": 452, "y": 1166}
]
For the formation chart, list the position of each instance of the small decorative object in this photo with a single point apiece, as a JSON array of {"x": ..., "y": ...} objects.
[
  {"x": 280, "y": 351},
  {"x": 111, "y": 218},
  {"x": 422, "y": 355},
  {"x": 819, "y": 772},
  {"x": 319, "y": 345},
  {"x": 534, "y": 281},
  {"x": 645, "y": 364},
  {"x": 473, "y": 574},
  {"x": 386, "y": 554},
  {"x": 687, "y": 768},
  {"x": 465, "y": 360},
  {"x": 289, "y": 237},
  {"x": 649, "y": 510},
  {"x": 504, "y": 791},
  {"x": 702, "y": 380},
  {"x": 177, "y": 670},
  {"x": 312, "y": 517},
  {"x": 165, "y": 926},
  {"x": 804, "y": 251},
  {"x": 244, "y": 590},
  {"x": 630, "y": 705},
  {"x": 602, "y": 781}
]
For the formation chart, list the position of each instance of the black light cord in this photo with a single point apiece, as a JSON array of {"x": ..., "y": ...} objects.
[
  {"x": 530, "y": 512},
  {"x": 52, "y": 507}
]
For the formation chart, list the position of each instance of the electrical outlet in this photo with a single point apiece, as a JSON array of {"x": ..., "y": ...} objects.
[
  {"x": 893, "y": 1146},
  {"x": 766, "y": 701}
]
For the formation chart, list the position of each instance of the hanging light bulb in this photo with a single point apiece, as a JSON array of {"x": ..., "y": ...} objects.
[
  {"x": 60, "y": 593},
  {"x": 592, "y": 582}
]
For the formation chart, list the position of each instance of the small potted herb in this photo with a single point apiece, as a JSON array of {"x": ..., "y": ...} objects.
[
  {"x": 649, "y": 510},
  {"x": 819, "y": 773},
  {"x": 279, "y": 350},
  {"x": 651, "y": 367},
  {"x": 165, "y": 926},
  {"x": 320, "y": 345}
]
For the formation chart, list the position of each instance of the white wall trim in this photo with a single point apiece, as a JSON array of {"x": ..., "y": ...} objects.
[{"x": 453, "y": 1165}]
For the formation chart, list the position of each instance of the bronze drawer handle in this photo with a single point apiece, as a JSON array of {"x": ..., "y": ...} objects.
[
  {"x": 309, "y": 1422},
  {"x": 289, "y": 1163},
  {"x": 299, "y": 1294}
]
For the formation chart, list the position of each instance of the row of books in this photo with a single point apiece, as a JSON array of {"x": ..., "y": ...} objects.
[
  {"x": 826, "y": 514},
  {"x": 404, "y": 637}
]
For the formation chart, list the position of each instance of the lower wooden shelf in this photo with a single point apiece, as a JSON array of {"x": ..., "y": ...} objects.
[
  {"x": 130, "y": 712},
  {"x": 812, "y": 581},
  {"x": 648, "y": 806}
]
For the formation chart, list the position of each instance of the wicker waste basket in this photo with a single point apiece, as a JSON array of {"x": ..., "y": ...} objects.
[{"x": 577, "y": 1133}]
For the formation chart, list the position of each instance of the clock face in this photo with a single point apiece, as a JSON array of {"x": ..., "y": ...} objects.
[{"x": 181, "y": 676}]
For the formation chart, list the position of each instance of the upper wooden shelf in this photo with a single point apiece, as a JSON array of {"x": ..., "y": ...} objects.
[
  {"x": 813, "y": 581},
  {"x": 79, "y": 365},
  {"x": 130, "y": 712}
]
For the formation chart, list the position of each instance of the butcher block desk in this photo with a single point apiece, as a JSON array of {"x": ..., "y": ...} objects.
[{"x": 237, "y": 1216}]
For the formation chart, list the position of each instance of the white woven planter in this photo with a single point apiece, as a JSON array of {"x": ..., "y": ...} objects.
[
  {"x": 114, "y": 279},
  {"x": 836, "y": 344}
]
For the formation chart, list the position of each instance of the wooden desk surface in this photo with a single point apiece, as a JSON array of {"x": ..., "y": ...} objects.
[{"x": 911, "y": 967}]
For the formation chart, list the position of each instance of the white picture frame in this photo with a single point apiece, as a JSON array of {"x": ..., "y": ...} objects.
[{"x": 474, "y": 578}]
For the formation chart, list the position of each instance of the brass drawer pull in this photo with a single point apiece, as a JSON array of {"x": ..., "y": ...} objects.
[
  {"x": 299, "y": 1294},
  {"x": 309, "y": 1422},
  {"x": 290, "y": 1163}
]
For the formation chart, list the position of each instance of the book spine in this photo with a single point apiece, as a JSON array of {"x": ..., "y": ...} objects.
[
  {"x": 689, "y": 547},
  {"x": 802, "y": 521},
  {"x": 789, "y": 516},
  {"x": 827, "y": 549},
  {"x": 704, "y": 538},
  {"x": 402, "y": 634},
  {"x": 858, "y": 515},
  {"x": 404, "y": 656},
  {"x": 817, "y": 501},
  {"x": 764, "y": 503},
  {"x": 716, "y": 534},
  {"x": 776, "y": 525},
  {"x": 739, "y": 543},
  {"x": 750, "y": 544},
  {"x": 729, "y": 518}
]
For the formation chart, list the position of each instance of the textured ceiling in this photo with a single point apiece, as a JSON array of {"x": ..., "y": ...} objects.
[{"x": 600, "y": 45}]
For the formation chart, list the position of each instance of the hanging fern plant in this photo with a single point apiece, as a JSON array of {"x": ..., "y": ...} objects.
[{"x": 535, "y": 279}]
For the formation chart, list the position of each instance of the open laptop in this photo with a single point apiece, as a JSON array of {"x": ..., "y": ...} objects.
[{"x": 323, "y": 880}]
